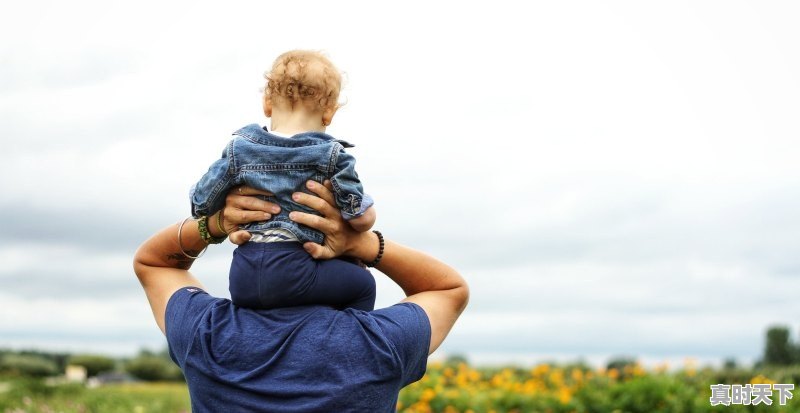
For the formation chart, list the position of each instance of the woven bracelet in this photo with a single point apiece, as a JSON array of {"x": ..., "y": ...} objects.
[
  {"x": 202, "y": 227},
  {"x": 381, "y": 243}
]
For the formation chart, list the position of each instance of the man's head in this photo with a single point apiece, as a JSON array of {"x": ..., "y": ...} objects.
[{"x": 304, "y": 82}]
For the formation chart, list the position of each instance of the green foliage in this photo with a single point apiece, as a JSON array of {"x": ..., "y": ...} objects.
[
  {"x": 730, "y": 363},
  {"x": 29, "y": 395},
  {"x": 153, "y": 368},
  {"x": 448, "y": 388},
  {"x": 94, "y": 364},
  {"x": 455, "y": 359},
  {"x": 27, "y": 365},
  {"x": 620, "y": 362},
  {"x": 778, "y": 350}
]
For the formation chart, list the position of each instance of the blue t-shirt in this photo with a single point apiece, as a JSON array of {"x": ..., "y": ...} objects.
[{"x": 294, "y": 359}]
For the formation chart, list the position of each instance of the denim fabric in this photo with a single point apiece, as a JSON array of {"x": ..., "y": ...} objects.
[{"x": 282, "y": 166}]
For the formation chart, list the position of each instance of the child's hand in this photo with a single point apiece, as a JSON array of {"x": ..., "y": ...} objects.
[
  {"x": 365, "y": 222},
  {"x": 242, "y": 207}
]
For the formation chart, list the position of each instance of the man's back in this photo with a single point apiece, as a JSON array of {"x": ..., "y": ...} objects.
[{"x": 310, "y": 358}]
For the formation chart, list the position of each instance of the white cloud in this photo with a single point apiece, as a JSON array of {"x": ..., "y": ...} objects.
[{"x": 577, "y": 161}]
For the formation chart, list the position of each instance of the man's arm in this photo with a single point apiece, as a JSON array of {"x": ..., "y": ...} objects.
[
  {"x": 163, "y": 269},
  {"x": 429, "y": 283},
  {"x": 433, "y": 285}
]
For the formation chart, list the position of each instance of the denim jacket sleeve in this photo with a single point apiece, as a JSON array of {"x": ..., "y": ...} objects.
[
  {"x": 208, "y": 194},
  {"x": 347, "y": 188}
]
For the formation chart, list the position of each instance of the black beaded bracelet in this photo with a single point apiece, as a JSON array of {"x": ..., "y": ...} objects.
[{"x": 380, "y": 250}]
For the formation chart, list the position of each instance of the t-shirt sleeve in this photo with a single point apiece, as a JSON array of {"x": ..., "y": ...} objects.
[
  {"x": 407, "y": 327},
  {"x": 185, "y": 308}
]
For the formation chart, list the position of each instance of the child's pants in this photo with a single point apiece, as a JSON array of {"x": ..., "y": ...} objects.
[{"x": 282, "y": 274}]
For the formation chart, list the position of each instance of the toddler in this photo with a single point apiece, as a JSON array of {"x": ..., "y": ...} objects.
[{"x": 272, "y": 269}]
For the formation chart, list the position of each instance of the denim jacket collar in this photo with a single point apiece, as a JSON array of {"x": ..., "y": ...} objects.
[{"x": 259, "y": 134}]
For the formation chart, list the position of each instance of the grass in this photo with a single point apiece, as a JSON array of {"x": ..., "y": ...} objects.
[
  {"x": 456, "y": 388},
  {"x": 34, "y": 396}
]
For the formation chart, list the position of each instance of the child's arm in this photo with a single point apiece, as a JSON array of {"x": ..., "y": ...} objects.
[
  {"x": 364, "y": 222},
  {"x": 208, "y": 194},
  {"x": 354, "y": 204}
]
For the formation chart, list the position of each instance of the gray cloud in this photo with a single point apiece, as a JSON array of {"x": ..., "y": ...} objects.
[
  {"x": 615, "y": 198},
  {"x": 91, "y": 230},
  {"x": 71, "y": 282}
]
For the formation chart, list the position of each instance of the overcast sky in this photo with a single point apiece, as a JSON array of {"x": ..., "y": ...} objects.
[{"x": 612, "y": 178}]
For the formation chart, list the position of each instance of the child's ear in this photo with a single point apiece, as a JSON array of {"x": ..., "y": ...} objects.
[
  {"x": 267, "y": 103},
  {"x": 327, "y": 115}
]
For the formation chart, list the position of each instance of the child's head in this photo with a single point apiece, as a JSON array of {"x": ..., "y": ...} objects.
[{"x": 303, "y": 81}]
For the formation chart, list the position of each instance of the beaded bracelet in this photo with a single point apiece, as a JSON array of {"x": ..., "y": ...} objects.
[
  {"x": 202, "y": 227},
  {"x": 380, "y": 250}
]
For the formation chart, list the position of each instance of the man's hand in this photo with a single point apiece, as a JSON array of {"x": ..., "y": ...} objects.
[
  {"x": 433, "y": 285},
  {"x": 241, "y": 207},
  {"x": 339, "y": 236}
]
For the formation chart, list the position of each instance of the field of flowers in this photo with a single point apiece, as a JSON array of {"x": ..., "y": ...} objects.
[
  {"x": 456, "y": 387},
  {"x": 547, "y": 388}
]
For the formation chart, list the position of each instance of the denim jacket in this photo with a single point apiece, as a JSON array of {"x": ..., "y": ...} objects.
[{"x": 282, "y": 166}]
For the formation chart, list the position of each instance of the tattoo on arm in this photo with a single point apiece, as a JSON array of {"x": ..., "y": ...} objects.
[{"x": 182, "y": 262}]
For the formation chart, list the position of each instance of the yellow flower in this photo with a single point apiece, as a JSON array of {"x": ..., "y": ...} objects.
[
  {"x": 613, "y": 374},
  {"x": 760, "y": 379},
  {"x": 557, "y": 377},
  {"x": 540, "y": 370},
  {"x": 564, "y": 395},
  {"x": 577, "y": 375}
]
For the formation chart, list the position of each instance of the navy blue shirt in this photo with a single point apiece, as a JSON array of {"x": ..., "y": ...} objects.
[{"x": 294, "y": 359}]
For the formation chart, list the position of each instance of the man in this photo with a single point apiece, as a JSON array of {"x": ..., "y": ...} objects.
[{"x": 306, "y": 358}]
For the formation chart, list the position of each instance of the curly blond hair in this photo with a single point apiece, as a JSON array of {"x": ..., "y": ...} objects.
[{"x": 306, "y": 77}]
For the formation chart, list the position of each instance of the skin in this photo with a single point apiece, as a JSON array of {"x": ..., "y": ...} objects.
[{"x": 436, "y": 287}]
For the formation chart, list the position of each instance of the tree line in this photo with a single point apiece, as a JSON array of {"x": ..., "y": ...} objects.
[
  {"x": 147, "y": 365},
  {"x": 779, "y": 350}
]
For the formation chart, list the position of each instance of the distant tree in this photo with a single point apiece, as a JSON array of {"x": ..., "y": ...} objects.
[
  {"x": 796, "y": 354},
  {"x": 94, "y": 364},
  {"x": 729, "y": 363},
  {"x": 620, "y": 362},
  {"x": 147, "y": 352},
  {"x": 59, "y": 358},
  {"x": 153, "y": 368},
  {"x": 579, "y": 364},
  {"x": 456, "y": 359},
  {"x": 778, "y": 350},
  {"x": 28, "y": 365}
]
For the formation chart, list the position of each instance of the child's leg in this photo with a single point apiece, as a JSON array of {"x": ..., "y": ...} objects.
[
  {"x": 343, "y": 284},
  {"x": 282, "y": 274},
  {"x": 244, "y": 280}
]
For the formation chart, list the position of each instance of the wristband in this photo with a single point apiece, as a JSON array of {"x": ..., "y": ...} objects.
[
  {"x": 180, "y": 242},
  {"x": 381, "y": 244},
  {"x": 202, "y": 227}
]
